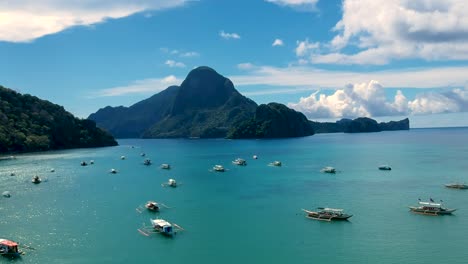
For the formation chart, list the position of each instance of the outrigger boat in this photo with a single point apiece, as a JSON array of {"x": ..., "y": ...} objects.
[
  {"x": 122, "y": 157},
  {"x": 9, "y": 248},
  {"x": 165, "y": 166},
  {"x": 160, "y": 226},
  {"x": 142, "y": 154},
  {"x": 255, "y": 157},
  {"x": 431, "y": 208},
  {"x": 276, "y": 163},
  {"x": 240, "y": 162},
  {"x": 113, "y": 171},
  {"x": 36, "y": 180},
  {"x": 327, "y": 214},
  {"x": 385, "y": 167},
  {"x": 461, "y": 186},
  {"x": 83, "y": 163},
  {"x": 218, "y": 168},
  {"x": 147, "y": 162},
  {"x": 328, "y": 170},
  {"x": 152, "y": 206},
  {"x": 170, "y": 183}
]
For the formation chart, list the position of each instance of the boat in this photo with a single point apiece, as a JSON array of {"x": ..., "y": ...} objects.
[
  {"x": 147, "y": 162},
  {"x": 431, "y": 208},
  {"x": 170, "y": 183},
  {"x": 91, "y": 162},
  {"x": 276, "y": 163},
  {"x": 328, "y": 170},
  {"x": 165, "y": 166},
  {"x": 12, "y": 174},
  {"x": 255, "y": 157},
  {"x": 36, "y": 180},
  {"x": 113, "y": 171},
  {"x": 142, "y": 154},
  {"x": 327, "y": 214},
  {"x": 122, "y": 157},
  {"x": 461, "y": 186},
  {"x": 9, "y": 248},
  {"x": 83, "y": 163},
  {"x": 6, "y": 194},
  {"x": 385, "y": 167},
  {"x": 152, "y": 206},
  {"x": 52, "y": 170},
  {"x": 240, "y": 162},
  {"x": 218, "y": 168},
  {"x": 160, "y": 226}
]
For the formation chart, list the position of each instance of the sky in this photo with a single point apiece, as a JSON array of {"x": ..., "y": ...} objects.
[{"x": 329, "y": 59}]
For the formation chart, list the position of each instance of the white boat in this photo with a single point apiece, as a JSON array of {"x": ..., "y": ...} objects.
[
  {"x": 52, "y": 170},
  {"x": 147, "y": 162},
  {"x": 457, "y": 185},
  {"x": 276, "y": 163},
  {"x": 91, "y": 162},
  {"x": 6, "y": 194},
  {"x": 255, "y": 157},
  {"x": 218, "y": 168},
  {"x": 384, "y": 167},
  {"x": 161, "y": 226},
  {"x": 431, "y": 208},
  {"x": 327, "y": 214},
  {"x": 328, "y": 170},
  {"x": 170, "y": 183},
  {"x": 9, "y": 248},
  {"x": 36, "y": 180},
  {"x": 113, "y": 171},
  {"x": 240, "y": 162},
  {"x": 165, "y": 166},
  {"x": 122, "y": 157}
]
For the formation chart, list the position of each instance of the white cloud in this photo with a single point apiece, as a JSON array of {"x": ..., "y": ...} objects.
[
  {"x": 300, "y": 5},
  {"x": 26, "y": 20},
  {"x": 189, "y": 54},
  {"x": 245, "y": 66},
  {"x": 145, "y": 86},
  {"x": 384, "y": 30},
  {"x": 368, "y": 99},
  {"x": 175, "y": 64},
  {"x": 305, "y": 47},
  {"x": 277, "y": 42},
  {"x": 225, "y": 35}
]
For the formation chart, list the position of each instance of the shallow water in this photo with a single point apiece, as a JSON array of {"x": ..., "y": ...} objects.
[{"x": 248, "y": 214}]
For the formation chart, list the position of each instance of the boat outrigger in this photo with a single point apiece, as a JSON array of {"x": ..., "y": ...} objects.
[
  {"x": 9, "y": 248},
  {"x": 327, "y": 214},
  {"x": 160, "y": 226},
  {"x": 461, "y": 186},
  {"x": 328, "y": 170},
  {"x": 36, "y": 180},
  {"x": 240, "y": 162},
  {"x": 165, "y": 166},
  {"x": 218, "y": 168},
  {"x": 431, "y": 208},
  {"x": 385, "y": 167}
]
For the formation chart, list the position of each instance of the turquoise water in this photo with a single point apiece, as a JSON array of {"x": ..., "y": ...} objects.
[{"x": 248, "y": 214}]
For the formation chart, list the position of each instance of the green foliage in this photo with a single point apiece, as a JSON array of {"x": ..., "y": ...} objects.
[{"x": 28, "y": 123}]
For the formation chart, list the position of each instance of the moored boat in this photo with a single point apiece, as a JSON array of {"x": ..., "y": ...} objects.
[
  {"x": 385, "y": 167},
  {"x": 276, "y": 163},
  {"x": 9, "y": 248},
  {"x": 147, "y": 162},
  {"x": 36, "y": 179},
  {"x": 170, "y": 183},
  {"x": 431, "y": 208},
  {"x": 328, "y": 170},
  {"x": 122, "y": 157},
  {"x": 165, "y": 166},
  {"x": 218, "y": 168},
  {"x": 152, "y": 206},
  {"x": 327, "y": 214},
  {"x": 240, "y": 162},
  {"x": 461, "y": 186},
  {"x": 161, "y": 226},
  {"x": 113, "y": 171},
  {"x": 83, "y": 163}
]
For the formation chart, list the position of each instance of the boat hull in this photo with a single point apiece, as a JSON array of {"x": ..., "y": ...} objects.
[
  {"x": 432, "y": 212},
  {"x": 322, "y": 217}
]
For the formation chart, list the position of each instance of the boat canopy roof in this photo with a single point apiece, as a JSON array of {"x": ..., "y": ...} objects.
[
  {"x": 8, "y": 243},
  {"x": 428, "y": 204},
  {"x": 160, "y": 222},
  {"x": 331, "y": 209}
]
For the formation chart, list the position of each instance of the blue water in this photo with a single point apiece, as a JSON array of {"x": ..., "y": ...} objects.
[{"x": 248, "y": 214}]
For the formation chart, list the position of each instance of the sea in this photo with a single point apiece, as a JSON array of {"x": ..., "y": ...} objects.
[{"x": 247, "y": 214}]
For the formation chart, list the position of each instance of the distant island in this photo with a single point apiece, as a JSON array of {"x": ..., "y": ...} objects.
[
  {"x": 206, "y": 105},
  {"x": 31, "y": 124}
]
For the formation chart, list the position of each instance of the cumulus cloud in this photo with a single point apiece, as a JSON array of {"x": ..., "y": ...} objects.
[
  {"x": 174, "y": 64},
  {"x": 26, "y": 20},
  {"x": 383, "y": 30},
  {"x": 300, "y": 5},
  {"x": 225, "y": 35},
  {"x": 369, "y": 99},
  {"x": 305, "y": 47},
  {"x": 245, "y": 66},
  {"x": 277, "y": 42},
  {"x": 144, "y": 86},
  {"x": 189, "y": 54}
]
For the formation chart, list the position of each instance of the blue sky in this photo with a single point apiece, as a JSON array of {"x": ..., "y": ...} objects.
[{"x": 329, "y": 59}]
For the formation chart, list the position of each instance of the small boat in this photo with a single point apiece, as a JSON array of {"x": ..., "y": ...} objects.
[
  {"x": 255, "y": 157},
  {"x": 6, "y": 194},
  {"x": 276, "y": 163},
  {"x": 147, "y": 162},
  {"x": 142, "y": 154},
  {"x": 83, "y": 163},
  {"x": 218, "y": 168},
  {"x": 152, "y": 206},
  {"x": 12, "y": 174},
  {"x": 113, "y": 171},
  {"x": 431, "y": 208},
  {"x": 460, "y": 186},
  {"x": 328, "y": 170},
  {"x": 91, "y": 162},
  {"x": 385, "y": 167},
  {"x": 165, "y": 166},
  {"x": 36, "y": 180},
  {"x": 240, "y": 162},
  {"x": 327, "y": 214},
  {"x": 52, "y": 170},
  {"x": 161, "y": 226},
  {"x": 122, "y": 157},
  {"x": 9, "y": 248},
  {"x": 170, "y": 183}
]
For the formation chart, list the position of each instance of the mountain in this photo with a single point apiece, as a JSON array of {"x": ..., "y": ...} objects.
[
  {"x": 205, "y": 105},
  {"x": 359, "y": 125},
  {"x": 31, "y": 124},
  {"x": 273, "y": 120}
]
